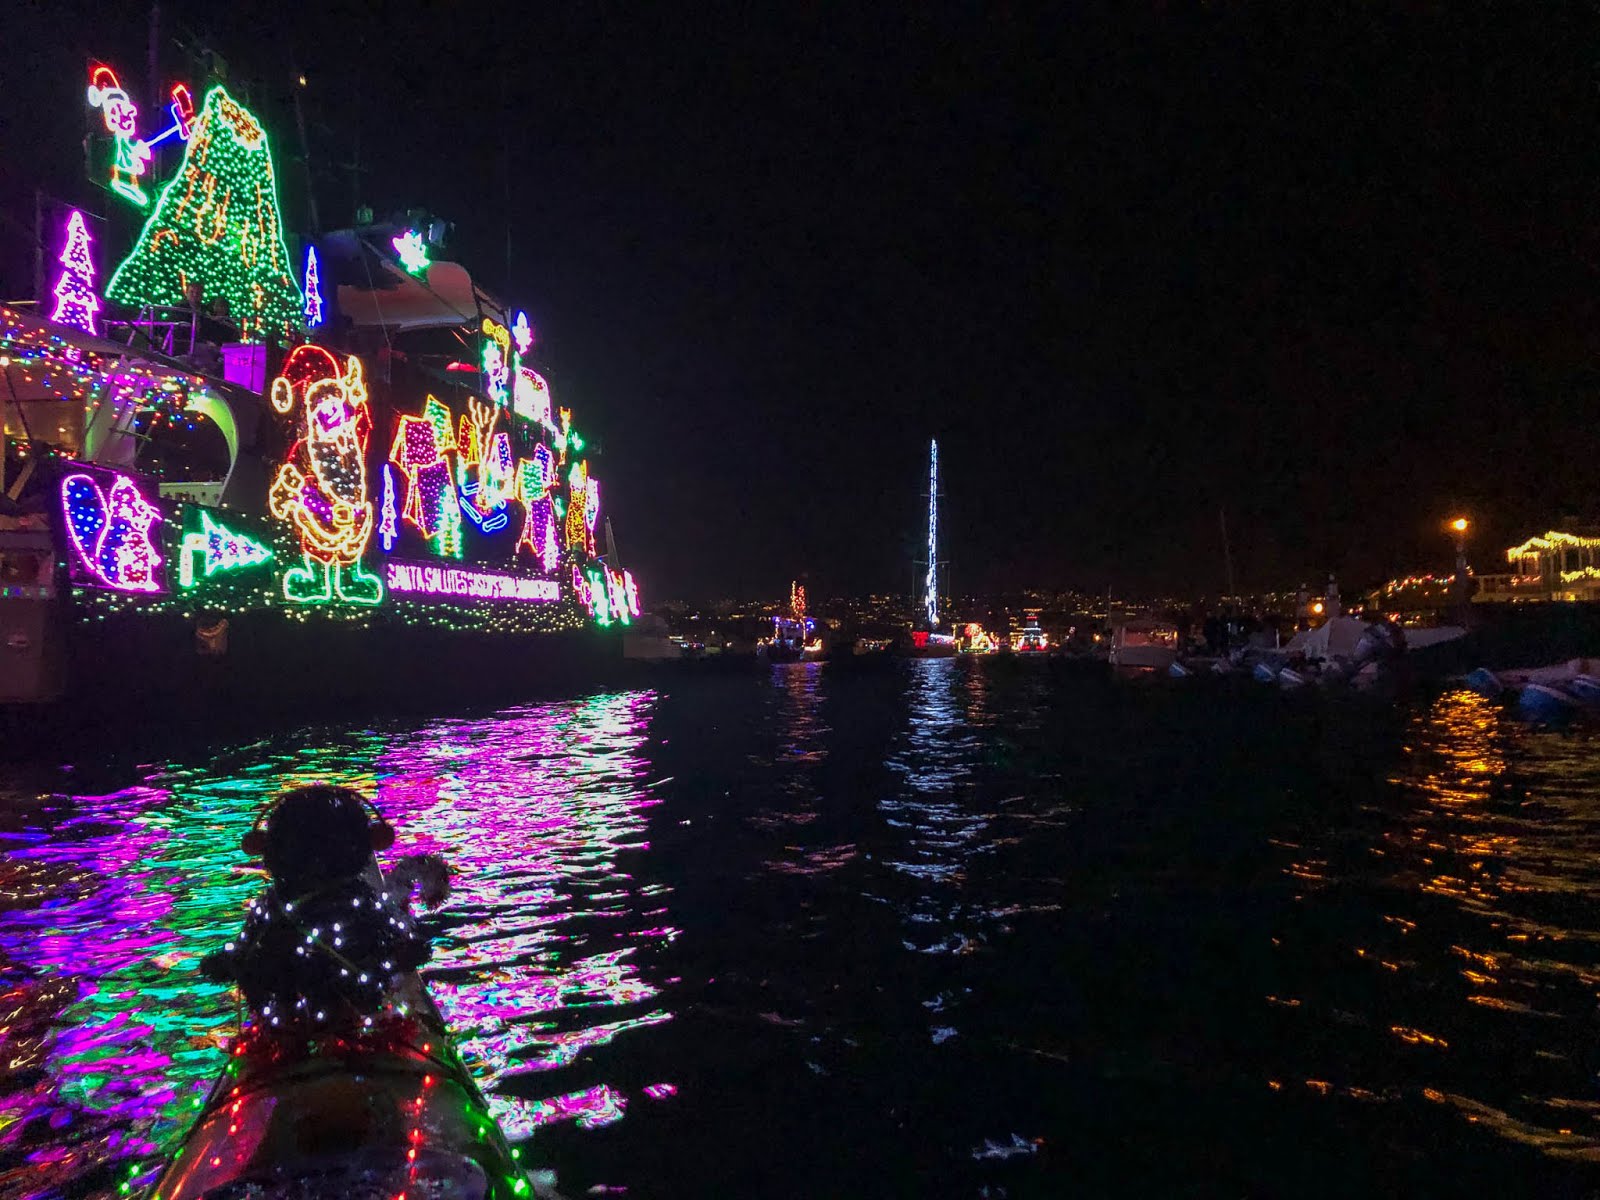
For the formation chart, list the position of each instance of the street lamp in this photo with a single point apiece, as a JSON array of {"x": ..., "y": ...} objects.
[{"x": 1460, "y": 584}]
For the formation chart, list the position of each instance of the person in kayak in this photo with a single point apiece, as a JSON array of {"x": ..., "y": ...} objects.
[{"x": 325, "y": 948}]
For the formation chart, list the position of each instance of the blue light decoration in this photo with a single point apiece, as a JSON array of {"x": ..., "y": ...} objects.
[
  {"x": 388, "y": 514},
  {"x": 182, "y": 109},
  {"x": 491, "y": 522},
  {"x": 313, "y": 290}
]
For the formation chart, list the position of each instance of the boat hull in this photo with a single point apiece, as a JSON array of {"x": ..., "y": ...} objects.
[
  {"x": 1151, "y": 658},
  {"x": 394, "y": 1115},
  {"x": 136, "y": 674}
]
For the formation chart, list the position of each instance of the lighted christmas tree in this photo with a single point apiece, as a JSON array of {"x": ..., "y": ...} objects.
[
  {"x": 313, "y": 290},
  {"x": 217, "y": 226},
  {"x": 76, "y": 303}
]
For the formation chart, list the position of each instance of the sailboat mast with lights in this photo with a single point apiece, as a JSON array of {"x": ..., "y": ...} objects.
[
  {"x": 930, "y": 584},
  {"x": 926, "y": 640}
]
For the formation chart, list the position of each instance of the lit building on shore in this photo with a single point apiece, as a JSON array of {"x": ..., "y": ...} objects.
[{"x": 1553, "y": 566}]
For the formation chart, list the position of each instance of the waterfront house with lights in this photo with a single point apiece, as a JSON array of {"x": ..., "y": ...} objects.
[
  {"x": 1557, "y": 565},
  {"x": 286, "y": 465}
]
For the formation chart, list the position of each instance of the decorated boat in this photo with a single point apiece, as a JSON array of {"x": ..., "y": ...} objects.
[
  {"x": 794, "y": 632},
  {"x": 389, "y": 1114},
  {"x": 259, "y": 466}
]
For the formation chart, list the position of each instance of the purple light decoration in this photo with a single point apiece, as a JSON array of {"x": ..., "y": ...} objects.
[
  {"x": 417, "y": 453},
  {"x": 76, "y": 301},
  {"x": 428, "y": 580},
  {"x": 111, "y": 534}
]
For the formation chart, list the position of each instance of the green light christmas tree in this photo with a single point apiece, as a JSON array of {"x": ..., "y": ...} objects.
[{"x": 218, "y": 226}]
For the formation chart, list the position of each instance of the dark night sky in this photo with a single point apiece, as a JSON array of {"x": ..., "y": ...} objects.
[{"x": 1331, "y": 269}]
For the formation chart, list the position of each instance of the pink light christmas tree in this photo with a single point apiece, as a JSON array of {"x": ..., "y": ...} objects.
[{"x": 76, "y": 301}]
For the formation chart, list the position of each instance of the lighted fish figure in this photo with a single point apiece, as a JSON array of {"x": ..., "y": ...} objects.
[{"x": 111, "y": 533}]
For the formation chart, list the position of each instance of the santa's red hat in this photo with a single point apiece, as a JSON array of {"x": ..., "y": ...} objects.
[{"x": 306, "y": 364}]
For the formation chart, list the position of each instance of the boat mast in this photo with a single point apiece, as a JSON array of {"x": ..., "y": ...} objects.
[{"x": 930, "y": 589}]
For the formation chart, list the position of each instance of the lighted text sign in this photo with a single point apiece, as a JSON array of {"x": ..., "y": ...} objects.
[{"x": 419, "y": 579}]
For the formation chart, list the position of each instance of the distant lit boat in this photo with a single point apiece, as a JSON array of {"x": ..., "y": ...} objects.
[
  {"x": 975, "y": 639},
  {"x": 1144, "y": 644},
  {"x": 1032, "y": 639},
  {"x": 794, "y": 634},
  {"x": 924, "y": 644}
]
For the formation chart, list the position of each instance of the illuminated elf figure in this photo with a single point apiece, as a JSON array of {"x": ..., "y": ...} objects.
[
  {"x": 322, "y": 489},
  {"x": 129, "y": 154},
  {"x": 485, "y": 470}
]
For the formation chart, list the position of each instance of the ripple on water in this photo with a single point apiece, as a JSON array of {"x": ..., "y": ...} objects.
[
  {"x": 954, "y": 927},
  {"x": 112, "y": 1035}
]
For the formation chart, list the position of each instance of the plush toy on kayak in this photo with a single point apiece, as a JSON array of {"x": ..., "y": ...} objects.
[
  {"x": 344, "y": 1081},
  {"x": 326, "y": 947}
]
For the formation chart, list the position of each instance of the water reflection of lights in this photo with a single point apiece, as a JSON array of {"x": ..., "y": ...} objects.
[
  {"x": 804, "y": 731},
  {"x": 111, "y": 1035},
  {"x": 935, "y": 762},
  {"x": 933, "y": 812},
  {"x": 1487, "y": 856},
  {"x": 801, "y": 752}
]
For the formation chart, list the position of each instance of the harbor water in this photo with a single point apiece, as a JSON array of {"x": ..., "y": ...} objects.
[{"x": 941, "y": 927}]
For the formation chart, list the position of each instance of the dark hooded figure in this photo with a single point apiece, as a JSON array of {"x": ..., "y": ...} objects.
[{"x": 322, "y": 949}]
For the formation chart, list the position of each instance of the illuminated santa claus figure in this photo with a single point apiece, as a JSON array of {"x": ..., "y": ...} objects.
[{"x": 322, "y": 487}]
